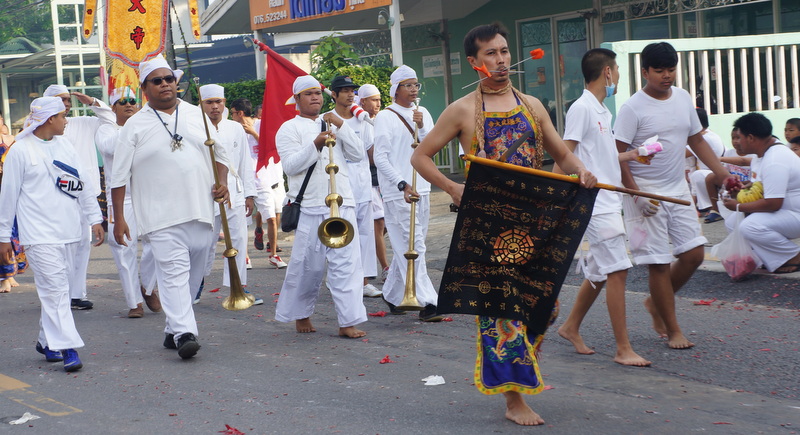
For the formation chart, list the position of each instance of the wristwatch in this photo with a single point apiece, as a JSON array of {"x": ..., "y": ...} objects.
[{"x": 401, "y": 186}]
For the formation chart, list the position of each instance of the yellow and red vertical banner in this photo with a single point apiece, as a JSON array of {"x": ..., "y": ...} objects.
[
  {"x": 194, "y": 14},
  {"x": 136, "y": 29}
]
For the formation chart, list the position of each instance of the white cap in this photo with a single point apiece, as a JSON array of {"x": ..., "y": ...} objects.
[
  {"x": 303, "y": 83},
  {"x": 148, "y": 66},
  {"x": 54, "y": 90},
  {"x": 366, "y": 91},
  {"x": 400, "y": 75},
  {"x": 209, "y": 92},
  {"x": 41, "y": 110},
  {"x": 118, "y": 93}
]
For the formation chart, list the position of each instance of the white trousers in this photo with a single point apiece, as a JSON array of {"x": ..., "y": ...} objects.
[
  {"x": 398, "y": 218},
  {"x": 180, "y": 253},
  {"x": 80, "y": 267},
  {"x": 698, "y": 181},
  {"x": 300, "y": 288},
  {"x": 147, "y": 269},
  {"x": 125, "y": 257},
  {"x": 366, "y": 237},
  {"x": 237, "y": 224},
  {"x": 770, "y": 235},
  {"x": 51, "y": 265}
]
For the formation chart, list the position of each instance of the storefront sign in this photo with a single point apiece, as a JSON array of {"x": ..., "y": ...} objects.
[
  {"x": 433, "y": 66},
  {"x": 272, "y": 13}
]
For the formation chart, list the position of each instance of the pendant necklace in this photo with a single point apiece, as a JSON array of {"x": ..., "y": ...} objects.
[{"x": 176, "y": 138}]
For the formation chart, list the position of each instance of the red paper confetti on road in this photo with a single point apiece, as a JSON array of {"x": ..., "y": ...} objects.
[
  {"x": 377, "y": 314},
  {"x": 775, "y": 295},
  {"x": 386, "y": 360},
  {"x": 765, "y": 350},
  {"x": 275, "y": 294},
  {"x": 721, "y": 422},
  {"x": 447, "y": 319},
  {"x": 548, "y": 387},
  {"x": 703, "y": 302},
  {"x": 231, "y": 431},
  {"x": 213, "y": 290}
]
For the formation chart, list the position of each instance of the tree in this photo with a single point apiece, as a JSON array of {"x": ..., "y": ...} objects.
[
  {"x": 28, "y": 18},
  {"x": 330, "y": 54}
]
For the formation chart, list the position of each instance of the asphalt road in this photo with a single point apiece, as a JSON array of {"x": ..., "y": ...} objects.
[{"x": 260, "y": 377}]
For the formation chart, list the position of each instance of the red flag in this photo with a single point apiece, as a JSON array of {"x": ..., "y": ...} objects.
[{"x": 274, "y": 110}]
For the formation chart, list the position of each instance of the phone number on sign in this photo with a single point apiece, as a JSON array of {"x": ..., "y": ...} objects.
[{"x": 270, "y": 17}]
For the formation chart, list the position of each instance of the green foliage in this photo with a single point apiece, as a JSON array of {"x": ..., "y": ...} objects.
[
  {"x": 330, "y": 54},
  {"x": 31, "y": 19},
  {"x": 253, "y": 90},
  {"x": 363, "y": 75}
]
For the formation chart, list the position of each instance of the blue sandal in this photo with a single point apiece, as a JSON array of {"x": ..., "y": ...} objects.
[{"x": 713, "y": 217}]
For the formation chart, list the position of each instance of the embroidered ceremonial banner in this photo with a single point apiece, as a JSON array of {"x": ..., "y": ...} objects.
[
  {"x": 89, "y": 11},
  {"x": 194, "y": 14},
  {"x": 136, "y": 29},
  {"x": 513, "y": 243}
]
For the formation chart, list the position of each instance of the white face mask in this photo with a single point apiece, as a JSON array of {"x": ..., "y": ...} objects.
[{"x": 610, "y": 88}]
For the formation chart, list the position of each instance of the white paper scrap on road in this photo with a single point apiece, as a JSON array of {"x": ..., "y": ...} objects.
[
  {"x": 26, "y": 417},
  {"x": 433, "y": 380}
]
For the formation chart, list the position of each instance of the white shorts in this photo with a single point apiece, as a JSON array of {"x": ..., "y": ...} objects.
[
  {"x": 607, "y": 250},
  {"x": 270, "y": 201},
  {"x": 377, "y": 203},
  {"x": 650, "y": 237}
]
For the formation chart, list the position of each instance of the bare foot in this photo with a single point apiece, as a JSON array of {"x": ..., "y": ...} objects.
[
  {"x": 679, "y": 341},
  {"x": 304, "y": 325},
  {"x": 13, "y": 282},
  {"x": 658, "y": 322},
  {"x": 519, "y": 412},
  {"x": 576, "y": 340},
  {"x": 630, "y": 358},
  {"x": 351, "y": 332},
  {"x": 5, "y": 286}
]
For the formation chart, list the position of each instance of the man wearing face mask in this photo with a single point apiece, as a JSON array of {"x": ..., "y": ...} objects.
[{"x": 587, "y": 133}]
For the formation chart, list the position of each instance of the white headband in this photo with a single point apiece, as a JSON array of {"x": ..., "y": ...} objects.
[
  {"x": 366, "y": 91},
  {"x": 400, "y": 75},
  {"x": 148, "y": 66},
  {"x": 41, "y": 110},
  {"x": 119, "y": 93},
  {"x": 54, "y": 90},
  {"x": 303, "y": 83},
  {"x": 209, "y": 92}
]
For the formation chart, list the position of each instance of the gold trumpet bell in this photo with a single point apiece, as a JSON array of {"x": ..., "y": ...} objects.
[{"x": 335, "y": 232}]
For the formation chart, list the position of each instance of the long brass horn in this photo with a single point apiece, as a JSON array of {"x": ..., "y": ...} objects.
[
  {"x": 238, "y": 299},
  {"x": 410, "y": 302},
  {"x": 334, "y": 232}
]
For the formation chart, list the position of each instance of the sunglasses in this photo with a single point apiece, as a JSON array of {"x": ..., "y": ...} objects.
[
  {"x": 157, "y": 81},
  {"x": 124, "y": 101}
]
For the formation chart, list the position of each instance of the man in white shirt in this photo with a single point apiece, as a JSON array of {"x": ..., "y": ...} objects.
[
  {"x": 42, "y": 175},
  {"x": 124, "y": 105},
  {"x": 80, "y": 133},
  {"x": 161, "y": 153},
  {"x": 588, "y": 134},
  {"x": 698, "y": 177},
  {"x": 774, "y": 220},
  {"x": 667, "y": 111},
  {"x": 301, "y": 146},
  {"x": 270, "y": 188},
  {"x": 343, "y": 93},
  {"x": 241, "y": 182},
  {"x": 394, "y": 136}
]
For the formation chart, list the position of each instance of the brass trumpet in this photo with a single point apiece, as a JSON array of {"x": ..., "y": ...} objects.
[
  {"x": 334, "y": 232},
  {"x": 238, "y": 299},
  {"x": 410, "y": 302}
]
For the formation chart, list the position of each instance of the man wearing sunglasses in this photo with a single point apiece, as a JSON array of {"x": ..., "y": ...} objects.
[
  {"x": 124, "y": 105},
  {"x": 394, "y": 134},
  {"x": 80, "y": 132},
  {"x": 160, "y": 152}
]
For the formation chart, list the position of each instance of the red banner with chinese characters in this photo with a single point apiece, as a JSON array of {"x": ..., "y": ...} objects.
[{"x": 136, "y": 29}]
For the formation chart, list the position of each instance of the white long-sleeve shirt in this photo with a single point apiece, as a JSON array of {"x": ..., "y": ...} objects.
[
  {"x": 295, "y": 143},
  {"x": 167, "y": 187},
  {"x": 360, "y": 177},
  {"x": 233, "y": 138},
  {"x": 106, "y": 140},
  {"x": 80, "y": 133},
  {"x": 392, "y": 153},
  {"x": 45, "y": 215}
]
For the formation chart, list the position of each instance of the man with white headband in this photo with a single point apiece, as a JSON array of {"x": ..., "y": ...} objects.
[
  {"x": 232, "y": 137},
  {"x": 80, "y": 132},
  {"x": 43, "y": 186},
  {"x": 394, "y": 135},
  {"x": 343, "y": 92},
  {"x": 301, "y": 146},
  {"x": 369, "y": 97},
  {"x": 124, "y": 105},
  {"x": 161, "y": 154}
]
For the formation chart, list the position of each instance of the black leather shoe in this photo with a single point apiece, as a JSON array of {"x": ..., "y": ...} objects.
[
  {"x": 169, "y": 342},
  {"x": 393, "y": 308},
  {"x": 187, "y": 345},
  {"x": 428, "y": 314},
  {"x": 81, "y": 304}
]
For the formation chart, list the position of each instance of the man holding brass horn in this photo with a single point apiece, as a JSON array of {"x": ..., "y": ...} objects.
[
  {"x": 301, "y": 144},
  {"x": 161, "y": 152},
  {"x": 395, "y": 129},
  {"x": 496, "y": 103}
]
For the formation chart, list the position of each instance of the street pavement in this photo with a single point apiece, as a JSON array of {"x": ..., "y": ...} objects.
[{"x": 260, "y": 377}]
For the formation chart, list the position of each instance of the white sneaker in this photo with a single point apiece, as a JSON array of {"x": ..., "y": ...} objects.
[
  {"x": 370, "y": 291},
  {"x": 247, "y": 263},
  {"x": 384, "y": 273},
  {"x": 277, "y": 262}
]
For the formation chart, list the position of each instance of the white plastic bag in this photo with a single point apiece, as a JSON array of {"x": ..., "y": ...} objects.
[{"x": 734, "y": 252}]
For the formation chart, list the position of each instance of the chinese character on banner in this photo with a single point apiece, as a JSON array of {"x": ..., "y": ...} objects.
[{"x": 139, "y": 29}]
